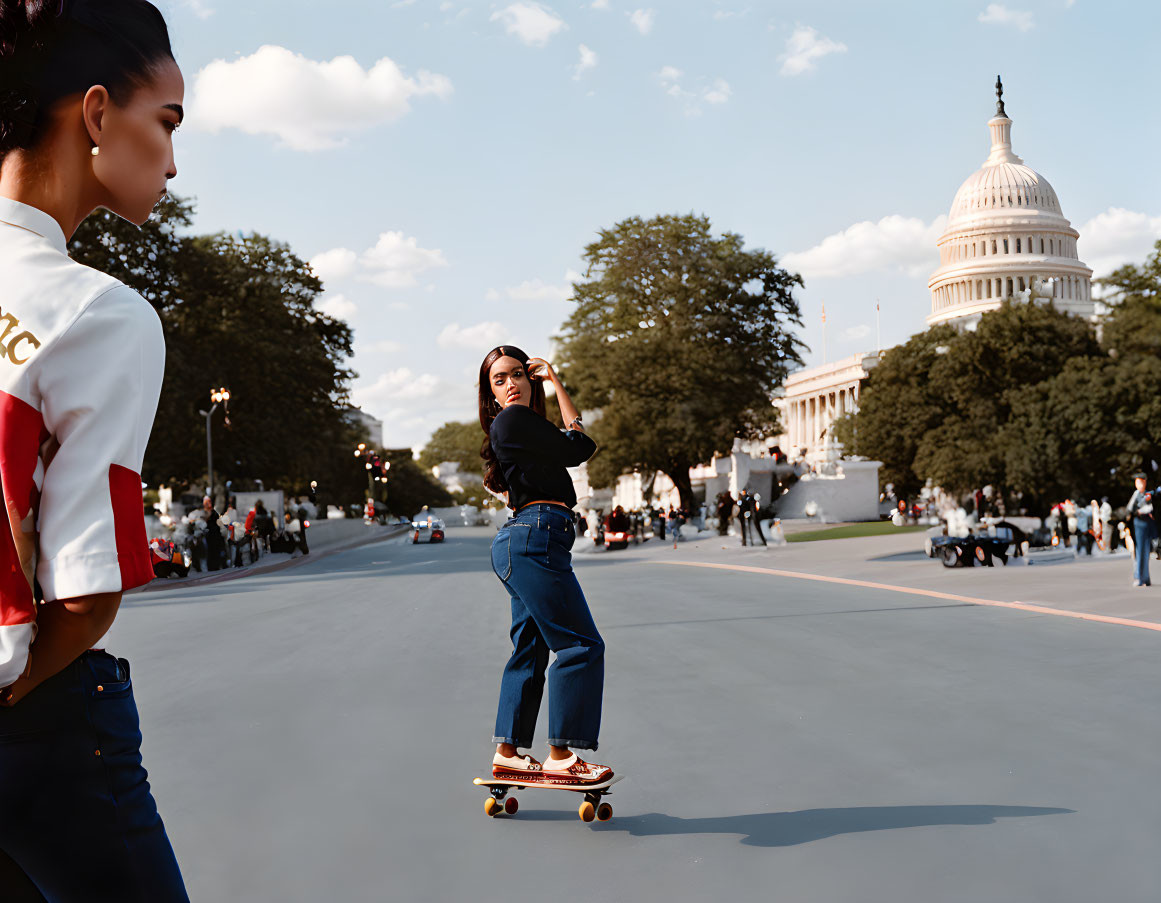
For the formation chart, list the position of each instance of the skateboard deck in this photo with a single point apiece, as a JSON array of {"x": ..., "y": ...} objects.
[{"x": 591, "y": 808}]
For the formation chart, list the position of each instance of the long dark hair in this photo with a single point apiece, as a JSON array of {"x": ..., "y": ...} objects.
[
  {"x": 51, "y": 49},
  {"x": 489, "y": 408}
]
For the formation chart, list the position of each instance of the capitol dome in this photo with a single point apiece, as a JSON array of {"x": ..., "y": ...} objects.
[{"x": 1006, "y": 237}]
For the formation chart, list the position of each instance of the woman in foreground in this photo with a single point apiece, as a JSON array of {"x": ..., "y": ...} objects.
[
  {"x": 90, "y": 96},
  {"x": 525, "y": 458}
]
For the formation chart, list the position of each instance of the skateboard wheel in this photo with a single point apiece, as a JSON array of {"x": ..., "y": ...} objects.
[
  {"x": 492, "y": 807},
  {"x": 511, "y": 805},
  {"x": 586, "y": 811},
  {"x": 604, "y": 812}
]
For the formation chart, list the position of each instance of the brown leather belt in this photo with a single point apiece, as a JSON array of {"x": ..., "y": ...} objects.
[{"x": 545, "y": 502}]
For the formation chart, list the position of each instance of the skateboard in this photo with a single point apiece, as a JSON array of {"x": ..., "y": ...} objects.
[{"x": 591, "y": 808}]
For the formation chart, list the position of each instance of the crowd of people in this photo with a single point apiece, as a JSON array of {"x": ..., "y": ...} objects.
[
  {"x": 739, "y": 516},
  {"x": 747, "y": 509},
  {"x": 1097, "y": 526},
  {"x": 217, "y": 540},
  {"x": 641, "y": 523}
]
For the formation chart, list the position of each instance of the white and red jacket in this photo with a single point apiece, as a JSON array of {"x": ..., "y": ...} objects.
[{"x": 81, "y": 363}]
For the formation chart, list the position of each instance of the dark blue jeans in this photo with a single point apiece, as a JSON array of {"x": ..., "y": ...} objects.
[
  {"x": 1143, "y": 543},
  {"x": 77, "y": 820},
  {"x": 532, "y": 556}
]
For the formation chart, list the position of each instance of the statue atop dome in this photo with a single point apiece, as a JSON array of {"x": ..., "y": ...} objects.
[{"x": 1000, "y": 114}]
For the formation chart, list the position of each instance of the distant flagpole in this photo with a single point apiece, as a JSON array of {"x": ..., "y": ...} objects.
[
  {"x": 824, "y": 332},
  {"x": 878, "y": 335}
]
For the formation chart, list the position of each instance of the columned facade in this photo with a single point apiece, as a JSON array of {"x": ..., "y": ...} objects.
[{"x": 813, "y": 399}]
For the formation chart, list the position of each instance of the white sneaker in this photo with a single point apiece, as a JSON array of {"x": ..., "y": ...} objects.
[
  {"x": 575, "y": 770},
  {"x": 516, "y": 766}
]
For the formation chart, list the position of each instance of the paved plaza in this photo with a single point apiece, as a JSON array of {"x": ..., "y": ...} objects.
[{"x": 312, "y": 734}]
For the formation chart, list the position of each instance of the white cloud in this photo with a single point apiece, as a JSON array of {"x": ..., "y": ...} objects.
[
  {"x": 334, "y": 264},
  {"x": 719, "y": 93},
  {"x": 588, "y": 60},
  {"x": 599, "y": 4},
  {"x": 998, "y": 14},
  {"x": 399, "y": 386},
  {"x": 338, "y": 306},
  {"x": 473, "y": 338},
  {"x": 893, "y": 243},
  {"x": 198, "y": 7},
  {"x": 854, "y": 333},
  {"x": 386, "y": 346},
  {"x": 532, "y": 23},
  {"x": 804, "y": 47},
  {"x": 538, "y": 290},
  {"x": 1116, "y": 237},
  {"x": 395, "y": 261},
  {"x": 308, "y": 105},
  {"x": 642, "y": 19}
]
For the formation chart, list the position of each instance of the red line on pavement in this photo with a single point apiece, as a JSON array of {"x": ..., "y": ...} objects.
[{"x": 1019, "y": 606}]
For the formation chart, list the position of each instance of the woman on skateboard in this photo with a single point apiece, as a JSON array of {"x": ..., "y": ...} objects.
[
  {"x": 525, "y": 457},
  {"x": 90, "y": 96}
]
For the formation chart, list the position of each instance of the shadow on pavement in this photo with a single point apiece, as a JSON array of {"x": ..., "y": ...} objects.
[
  {"x": 795, "y": 614},
  {"x": 785, "y": 829},
  {"x": 916, "y": 555}
]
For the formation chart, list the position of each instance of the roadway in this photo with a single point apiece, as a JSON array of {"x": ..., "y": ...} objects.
[{"x": 312, "y": 734}]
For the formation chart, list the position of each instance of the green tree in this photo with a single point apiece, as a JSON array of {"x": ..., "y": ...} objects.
[
  {"x": 1081, "y": 433},
  {"x": 1016, "y": 346},
  {"x": 458, "y": 442},
  {"x": 898, "y": 405},
  {"x": 1133, "y": 324},
  {"x": 679, "y": 338},
  {"x": 937, "y": 406},
  {"x": 409, "y": 486},
  {"x": 237, "y": 311}
]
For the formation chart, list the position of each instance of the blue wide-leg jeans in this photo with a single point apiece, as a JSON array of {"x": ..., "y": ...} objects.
[
  {"x": 78, "y": 823},
  {"x": 532, "y": 556},
  {"x": 1143, "y": 543}
]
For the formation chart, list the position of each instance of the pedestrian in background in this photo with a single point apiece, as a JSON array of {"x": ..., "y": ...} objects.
[
  {"x": 725, "y": 511},
  {"x": 90, "y": 97},
  {"x": 1144, "y": 527},
  {"x": 1084, "y": 537}
]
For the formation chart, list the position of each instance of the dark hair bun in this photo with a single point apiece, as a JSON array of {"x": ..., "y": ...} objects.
[
  {"x": 20, "y": 22},
  {"x": 50, "y": 49},
  {"x": 26, "y": 28}
]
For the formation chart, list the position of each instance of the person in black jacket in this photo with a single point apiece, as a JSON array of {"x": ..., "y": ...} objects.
[{"x": 526, "y": 458}]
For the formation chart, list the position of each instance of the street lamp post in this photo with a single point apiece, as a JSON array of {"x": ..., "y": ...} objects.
[
  {"x": 372, "y": 463},
  {"x": 217, "y": 396},
  {"x": 361, "y": 451}
]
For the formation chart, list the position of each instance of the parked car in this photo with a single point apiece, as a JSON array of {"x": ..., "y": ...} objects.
[
  {"x": 618, "y": 530},
  {"x": 968, "y": 551}
]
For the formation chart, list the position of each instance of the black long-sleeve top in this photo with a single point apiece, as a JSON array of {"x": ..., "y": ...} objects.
[{"x": 533, "y": 455}]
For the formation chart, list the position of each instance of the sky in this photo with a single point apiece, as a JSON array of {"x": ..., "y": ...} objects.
[{"x": 443, "y": 164}]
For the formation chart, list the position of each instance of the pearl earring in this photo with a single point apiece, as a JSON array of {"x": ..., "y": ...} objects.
[{"x": 96, "y": 151}]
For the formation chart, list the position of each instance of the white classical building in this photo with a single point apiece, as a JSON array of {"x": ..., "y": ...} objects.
[
  {"x": 1006, "y": 237},
  {"x": 814, "y": 398}
]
